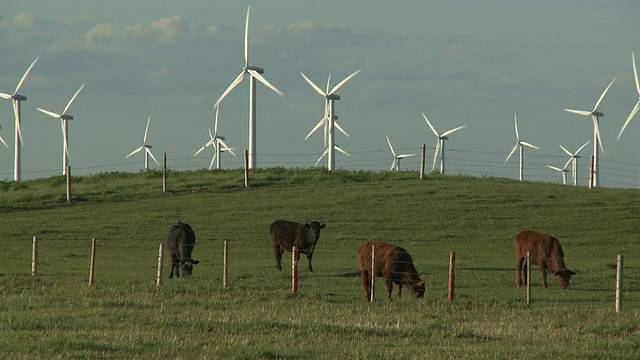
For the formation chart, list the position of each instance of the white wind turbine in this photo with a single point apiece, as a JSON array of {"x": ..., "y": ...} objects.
[
  {"x": 146, "y": 147},
  {"x": 64, "y": 117},
  {"x": 254, "y": 73},
  {"x": 563, "y": 171},
  {"x": 218, "y": 144},
  {"x": 521, "y": 144},
  {"x": 440, "y": 143},
  {"x": 17, "y": 99},
  {"x": 396, "y": 158},
  {"x": 329, "y": 119},
  {"x": 574, "y": 162},
  {"x": 637, "y": 107},
  {"x": 595, "y": 116}
]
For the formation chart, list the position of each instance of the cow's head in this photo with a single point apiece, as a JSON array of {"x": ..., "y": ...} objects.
[
  {"x": 563, "y": 276},
  {"x": 418, "y": 289},
  {"x": 314, "y": 230},
  {"x": 186, "y": 266}
]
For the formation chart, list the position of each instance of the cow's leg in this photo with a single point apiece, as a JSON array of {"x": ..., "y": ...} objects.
[
  {"x": 174, "y": 265},
  {"x": 543, "y": 270},
  {"x": 278, "y": 251},
  {"x": 309, "y": 256},
  {"x": 366, "y": 283},
  {"x": 389, "y": 284},
  {"x": 519, "y": 262},
  {"x": 399, "y": 289}
]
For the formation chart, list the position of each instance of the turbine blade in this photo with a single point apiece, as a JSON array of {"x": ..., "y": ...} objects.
[
  {"x": 581, "y": 147},
  {"x": 579, "y": 112},
  {"x": 5, "y": 96},
  {"x": 340, "y": 150},
  {"x": 405, "y": 156},
  {"x": 25, "y": 75},
  {"x": 73, "y": 98},
  {"x": 226, "y": 148},
  {"x": 435, "y": 155},
  {"x": 135, "y": 151},
  {"x": 246, "y": 39},
  {"x": 4, "y": 142},
  {"x": 215, "y": 126},
  {"x": 635, "y": 72},
  {"x": 431, "y": 126},
  {"x": 393, "y": 164},
  {"x": 50, "y": 113},
  {"x": 151, "y": 154},
  {"x": 213, "y": 159},
  {"x": 146, "y": 131},
  {"x": 631, "y": 115},
  {"x": 515, "y": 147},
  {"x": 326, "y": 151},
  {"x": 567, "y": 164},
  {"x": 554, "y": 168},
  {"x": 602, "y": 96},
  {"x": 341, "y": 83},
  {"x": 234, "y": 83},
  {"x": 529, "y": 145},
  {"x": 567, "y": 151},
  {"x": 515, "y": 121},
  {"x": 452, "y": 130},
  {"x": 391, "y": 147},
  {"x": 313, "y": 85},
  {"x": 199, "y": 151},
  {"x": 328, "y": 83},
  {"x": 596, "y": 128},
  {"x": 64, "y": 137},
  {"x": 266, "y": 83},
  {"x": 318, "y": 125},
  {"x": 341, "y": 129}
]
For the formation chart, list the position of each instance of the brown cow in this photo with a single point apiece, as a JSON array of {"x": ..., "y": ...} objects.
[
  {"x": 394, "y": 264},
  {"x": 545, "y": 251},
  {"x": 287, "y": 234}
]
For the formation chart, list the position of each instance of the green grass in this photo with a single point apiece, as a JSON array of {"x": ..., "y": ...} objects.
[{"x": 125, "y": 315}]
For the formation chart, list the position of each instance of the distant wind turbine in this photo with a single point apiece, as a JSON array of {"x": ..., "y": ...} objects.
[
  {"x": 218, "y": 144},
  {"x": 64, "y": 117},
  {"x": 146, "y": 147},
  {"x": 17, "y": 99},
  {"x": 574, "y": 162},
  {"x": 254, "y": 73},
  {"x": 637, "y": 107},
  {"x": 595, "y": 116},
  {"x": 396, "y": 158},
  {"x": 563, "y": 171},
  {"x": 521, "y": 144},
  {"x": 440, "y": 143},
  {"x": 330, "y": 117}
]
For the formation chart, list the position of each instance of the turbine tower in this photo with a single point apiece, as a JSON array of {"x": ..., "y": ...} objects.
[
  {"x": 330, "y": 117},
  {"x": 17, "y": 99},
  {"x": 146, "y": 147},
  {"x": 218, "y": 144},
  {"x": 440, "y": 143},
  {"x": 396, "y": 158},
  {"x": 64, "y": 117},
  {"x": 254, "y": 73},
  {"x": 595, "y": 116},
  {"x": 521, "y": 144},
  {"x": 574, "y": 162}
]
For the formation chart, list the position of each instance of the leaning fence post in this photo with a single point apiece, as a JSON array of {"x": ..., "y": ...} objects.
[
  {"x": 93, "y": 261},
  {"x": 373, "y": 273},
  {"x": 294, "y": 270},
  {"x": 160, "y": 263},
  {"x": 452, "y": 274},
  {"x": 528, "y": 272},
  {"x": 225, "y": 271},
  {"x": 619, "y": 286},
  {"x": 34, "y": 257},
  {"x": 422, "y": 161}
]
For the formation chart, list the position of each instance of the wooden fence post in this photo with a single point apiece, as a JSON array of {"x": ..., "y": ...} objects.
[
  {"x": 246, "y": 168},
  {"x": 164, "y": 173},
  {"x": 619, "y": 286},
  {"x": 225, "y": 271},
  {"x": 528, "y": 272},
  {"x": 294, "y": 271},
  {"x": 373, "y": 273},
  {"x": 93, "y": 261},
  {"x": 69, "y": 184},
  {"x": 452, "y": 274},
  {"x": 422, "y": 160},
  {"x": 160, "y": 264},
  {"x": 34, "y": 257}
]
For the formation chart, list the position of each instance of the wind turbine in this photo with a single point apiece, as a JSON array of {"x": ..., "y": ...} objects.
[
  {"x": 64, "y": 117},
  {"x": 146, "y": 147},
  {"x": 521, "y": 144},
  {"x": 218, "y": 144},
  {"x": 440, "y": 143},
  {"x": 396, "y": 158},
  {"x": 574, "y": 162},
  {"x": 17, "y": 99},
  {"x": 330, "y": 117},
  {"x": 254, "y": 73},
  {"x": 595, "y": 116},
  {"x": 637, "y": 107},
  {"x": 564, "y": 172}
]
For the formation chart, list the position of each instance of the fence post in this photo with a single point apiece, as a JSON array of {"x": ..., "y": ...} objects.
[
  {"x": 225, "y": 271},
  {"x": 373, "y": 273},
  {"x": 164, "y": 173},
  {"x": 93, "y": 261},
  {"x": 422, "y": 160},
  {"x": 528, "y": 272},
  {"x": 160, "y": 264},
  {"x": 69, "y": 184},
  {"x": 452, "y": 274},
  {"x": 34, "y": 257},
  {"x": 619, "y": 286},
  {"x": 246, "y": 169},
  {"x": 294, "y": 271}
]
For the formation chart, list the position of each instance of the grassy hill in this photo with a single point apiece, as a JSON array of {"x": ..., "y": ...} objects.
[{"x": 124, "y": 315}]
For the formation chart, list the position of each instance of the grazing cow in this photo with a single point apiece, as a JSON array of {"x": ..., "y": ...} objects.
[
  {"x": 545, "y": 251},
  {"x": 394, "y": 264},
  {"x": 287, "y": 234},
  {"x": 180, "y": 243}
]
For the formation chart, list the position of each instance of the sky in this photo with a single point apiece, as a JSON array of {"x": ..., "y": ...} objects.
[{"x": 461, "y": 62}]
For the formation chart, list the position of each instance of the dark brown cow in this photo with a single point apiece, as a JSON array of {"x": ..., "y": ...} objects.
[
  {"x": 545, "y": 251},
  {"x": 180, "y": 243},
  {"x": 287, "y": 234},
  {"x": 394, "y": 264}
]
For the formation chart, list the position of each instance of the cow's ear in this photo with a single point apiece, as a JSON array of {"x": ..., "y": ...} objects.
[
  {"x": 420, "y": 283},
  {"x": 307, "y": 226},
  {"x": 195, "y": 262},
  {"x": 322, "y": 226}
]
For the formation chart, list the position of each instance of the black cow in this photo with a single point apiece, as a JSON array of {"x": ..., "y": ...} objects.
[
  {"x": 287, "y": 234},
  {"x": 180, "y": 243}
]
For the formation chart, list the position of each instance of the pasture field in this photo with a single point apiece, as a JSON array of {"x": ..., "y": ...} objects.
[{"x": 125, "y": 315}]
